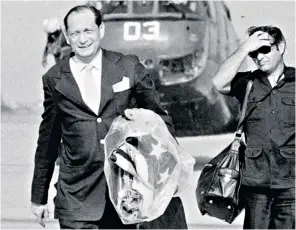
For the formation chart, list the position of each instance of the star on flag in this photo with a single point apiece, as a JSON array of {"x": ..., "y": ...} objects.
[
  {"x": 163, "y": 176},
  {"x": 157, "y": 150}
]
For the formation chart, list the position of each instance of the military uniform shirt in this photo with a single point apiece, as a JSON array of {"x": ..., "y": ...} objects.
[{"x": 269, "y": 159}]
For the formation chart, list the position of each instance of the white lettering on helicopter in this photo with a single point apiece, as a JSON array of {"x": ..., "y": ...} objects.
[{"x": 133, "y": 31}]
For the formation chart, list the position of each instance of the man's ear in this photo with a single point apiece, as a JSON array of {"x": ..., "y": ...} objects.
[
  {"x": 102, "y": 30},
  {"x": 282, "y": 47},
  {"x": 66, "y": 35}
]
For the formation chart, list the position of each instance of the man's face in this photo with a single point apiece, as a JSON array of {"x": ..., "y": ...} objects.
[
  {"x": 84, "y": 35},
  {"x": 268, "y": 59}
]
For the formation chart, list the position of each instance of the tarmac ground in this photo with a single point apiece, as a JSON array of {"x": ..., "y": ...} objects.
[{"x": 17, "y": 159}]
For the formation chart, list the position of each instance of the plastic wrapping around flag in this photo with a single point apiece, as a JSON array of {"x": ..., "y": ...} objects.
[{"x": 144, "y": 166}]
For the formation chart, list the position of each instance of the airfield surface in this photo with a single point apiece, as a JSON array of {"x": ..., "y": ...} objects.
[{"x": 18, "y": 142}]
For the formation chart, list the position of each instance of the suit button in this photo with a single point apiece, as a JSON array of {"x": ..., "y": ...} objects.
[
  {"x": 99, "y": 120},
  {"x": 272, "y": 112},
  {"x": 102, "y": 141}
]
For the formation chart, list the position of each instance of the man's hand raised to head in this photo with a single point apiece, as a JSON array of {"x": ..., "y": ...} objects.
[
  {"x": 41, "y": 212},
  {"x": 256, "y": 40}
]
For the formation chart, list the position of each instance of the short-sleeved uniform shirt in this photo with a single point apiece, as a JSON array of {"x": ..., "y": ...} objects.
[{"x": 269, "y": 159}]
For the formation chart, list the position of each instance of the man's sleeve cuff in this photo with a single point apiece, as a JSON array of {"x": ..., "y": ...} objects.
[{"x": 39, "y": 196}]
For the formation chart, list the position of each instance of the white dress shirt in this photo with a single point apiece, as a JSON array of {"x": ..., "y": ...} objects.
[{"x": 78, "y": 71}]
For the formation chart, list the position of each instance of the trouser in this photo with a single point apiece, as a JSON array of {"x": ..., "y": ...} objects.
[
  {"x": 268, "y": 208},
  {"x": 173, "y": 218}
]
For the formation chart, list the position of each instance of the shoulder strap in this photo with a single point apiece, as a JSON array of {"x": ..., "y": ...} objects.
[
  {"x": 239, "y": 131},
  {"x": 244, "y": 116},
  {"x": 244, "y": 107}
]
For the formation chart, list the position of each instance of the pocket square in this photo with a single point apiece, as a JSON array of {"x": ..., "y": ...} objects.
[{"x": 122, "y": 85}]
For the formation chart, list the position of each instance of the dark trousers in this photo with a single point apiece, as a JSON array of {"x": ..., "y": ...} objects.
[
  {"x": 269, "y": 208},
  {"x": 173, "y": 218}
]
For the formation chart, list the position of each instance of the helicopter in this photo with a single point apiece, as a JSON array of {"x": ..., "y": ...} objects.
[{"x": 181, "y": 43}]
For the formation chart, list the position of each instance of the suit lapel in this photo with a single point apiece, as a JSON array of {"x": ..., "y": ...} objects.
[
  {"x": 68, "y": 86},
  {"x": 110, "y": 76}
]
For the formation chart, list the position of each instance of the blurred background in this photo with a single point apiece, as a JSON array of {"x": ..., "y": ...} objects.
[
  {"x": 182, "y": 45},
  {"x": 23, "y": 38},
  {"x": 182, "y": 64}
]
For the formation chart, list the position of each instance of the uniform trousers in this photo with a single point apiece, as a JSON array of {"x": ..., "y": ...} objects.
[{"x": 268, "y": 208}]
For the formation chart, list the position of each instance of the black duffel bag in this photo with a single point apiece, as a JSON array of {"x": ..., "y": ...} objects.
[{"x": 218, "y": 186}]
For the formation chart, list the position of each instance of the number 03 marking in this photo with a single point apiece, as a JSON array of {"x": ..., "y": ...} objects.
[{"x": 133, "y": 31}]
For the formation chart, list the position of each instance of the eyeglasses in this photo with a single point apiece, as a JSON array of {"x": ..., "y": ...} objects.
[{"x": 262, "y": 50}]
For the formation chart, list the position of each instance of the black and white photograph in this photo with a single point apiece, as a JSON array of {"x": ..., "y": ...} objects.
[{"x": 147, "y": 114}]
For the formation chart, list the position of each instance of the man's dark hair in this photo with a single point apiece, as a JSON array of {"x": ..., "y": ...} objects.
[
  {"x": 273, "y": 31},
  {"x": 79, "y": 8}
]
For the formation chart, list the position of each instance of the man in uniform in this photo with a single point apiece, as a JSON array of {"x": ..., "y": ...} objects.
[{"x": 268, "y": 164}]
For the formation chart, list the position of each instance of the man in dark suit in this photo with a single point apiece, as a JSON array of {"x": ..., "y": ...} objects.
[{"x": 83, "y": 94}]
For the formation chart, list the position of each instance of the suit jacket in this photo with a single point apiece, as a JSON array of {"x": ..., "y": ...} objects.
[{"x": 81, "y": 185}]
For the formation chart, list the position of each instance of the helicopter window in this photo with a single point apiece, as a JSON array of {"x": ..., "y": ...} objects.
[
  {"x": 168, "y": 7},
  {"x": 181, "y": 6},
  {"x": 112, "y": 7},
  {"x": 177, "y": 9},
  {"x": 196, "y": 7},
  {"x": 142, "y": 7}
]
